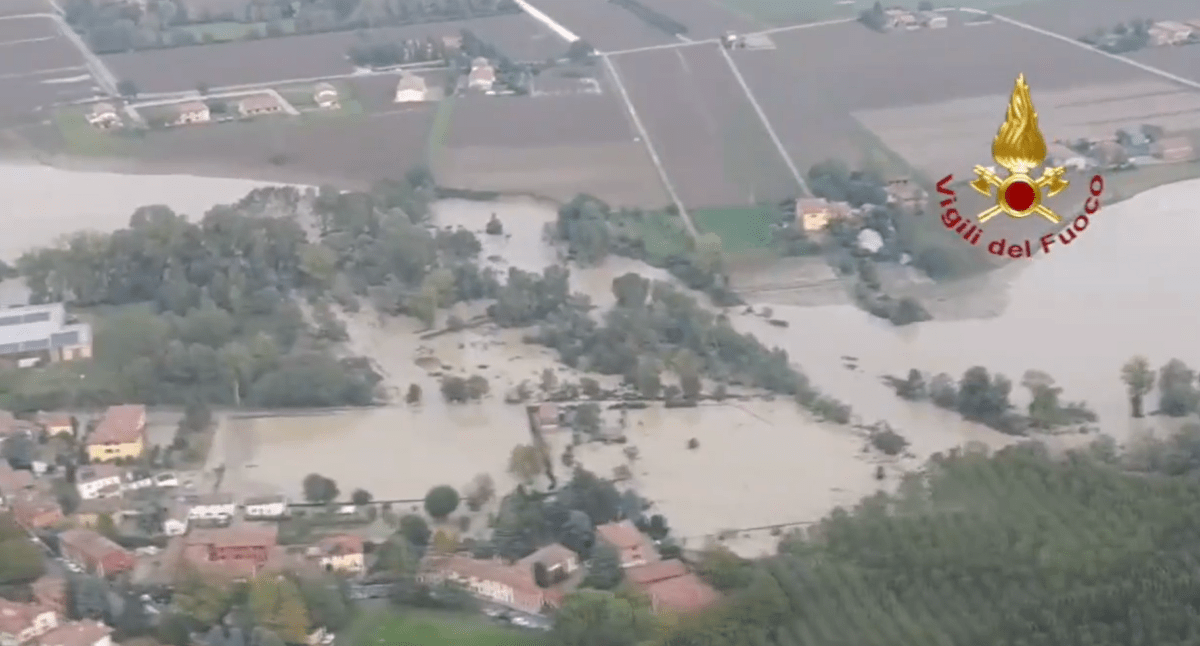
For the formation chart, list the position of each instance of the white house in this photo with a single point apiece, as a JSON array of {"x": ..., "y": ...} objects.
[
  {"x": 21, "y": 622},
  {"x": 265, "y": 507},
  {"x": 140, "y": 480},
  {"x": 482, "y": 75},
  {"x": 325, "y": 95},
  {"x": 96, "y": 480},
  {"x": 212, "y": 506},
  {"x": 104, "y": 115},
  {"x": 192, "y": 112},
  {"x": 175, "y": 523},
  {"x": 410, "y": 89}
]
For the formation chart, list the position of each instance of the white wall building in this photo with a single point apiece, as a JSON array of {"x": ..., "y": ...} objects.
[
  {"x": 95, "y": 480},
  {"x": 212, "y": 507},
  {"x": 265, "y": 507}
]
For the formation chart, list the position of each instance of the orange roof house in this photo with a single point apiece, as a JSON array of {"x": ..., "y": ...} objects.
[
  {"x": 634, "y": 548},
  {"x": 120, "y": 434}
]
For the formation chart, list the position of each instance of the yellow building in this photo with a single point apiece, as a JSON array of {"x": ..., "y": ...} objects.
[
  {"x": 814, "y": 214},
  {"x": 121, "y": 434}
]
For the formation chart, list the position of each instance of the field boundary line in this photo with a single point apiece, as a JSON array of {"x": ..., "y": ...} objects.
[
  {"x": 762, "y": 116},
  {"x": 803, "y": 25},
  {"x": 1067, "y": 39},
  {"x": 550, "y": 23},
  {"x": 765, "y": 32},
  {"x": 641, "y": 129}
]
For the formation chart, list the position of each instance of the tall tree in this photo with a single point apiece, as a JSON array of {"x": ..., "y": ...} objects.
[
  {"x": 1138, "y": 378},
  {"x": 277, "y": 605}
]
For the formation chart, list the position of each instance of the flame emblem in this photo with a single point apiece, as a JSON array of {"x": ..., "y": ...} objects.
[{"x": 1019, "y": 147}]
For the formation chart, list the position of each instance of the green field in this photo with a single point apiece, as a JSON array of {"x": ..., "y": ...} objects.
[
  {"x": 742, "y": 230},
  {"x": 662, "y": 235},
  {"x": 416, "y": 628},
  {"x": 439, "y": 131},
  {"x": 81, "y": 138}
]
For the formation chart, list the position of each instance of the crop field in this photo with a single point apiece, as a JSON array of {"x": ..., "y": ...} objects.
[
  {"x": 38, "y": 67},
  {"x": 809, "y": 96},
  {"x": 301, "y": 57},
  {"x": 715, "y": 150},
  {"x": 704, "y": 18},
  {"x": 606, "y": 26},
  {"x": 555, "y": 146},
  {"x": 741, "y": 230},
  {"x": 1075, "y": 18}
]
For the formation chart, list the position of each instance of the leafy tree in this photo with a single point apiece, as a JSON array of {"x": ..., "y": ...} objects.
[
  {"x": 415, "y": 529},
  {"x": 1139, "y": 381},
  {"x": 87, "y": 598},
  {"x": 319, "y": 489},
  {"x": 441, "y": 501},
  {"x": 105, "y": 526},
  {"x": 723, "y": 569},
  {"x": 127, "y": 89},
  {"x": 277, "y": 605},
  {"x": 325, "y": 599},
  {"x": 1178, "y": 395},
  {"x": 361, "y": 497},
  {"x": 21, "y": 560},
  {"x": 595, "y": 618},
  {"x": 479, "y": 492},
  {"x": 444, "y": 542},
  {"x": 395, "y": 555},
  {"x": 587, "y": 419},
  {"x": 526, "y": 463},
  {"x": 630, "y": 290},
  {"x": 203, "y": 600},
  {"x": 455, "y": 390},
  {"x": 414, "y": 394},
  {"x": 133, "y": 621},
  {"x": 605, "y": 571}
]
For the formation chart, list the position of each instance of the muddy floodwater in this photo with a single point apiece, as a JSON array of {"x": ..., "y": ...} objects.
[{"x": 1120, "y": 289}]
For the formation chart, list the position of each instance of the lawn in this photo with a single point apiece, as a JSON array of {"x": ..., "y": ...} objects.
[
  {"x": 662, "y": 235},
  {"x": 423, "y": 628},
  {"x": 742, "y": 230},
  {"x": 81, "y": 138}
]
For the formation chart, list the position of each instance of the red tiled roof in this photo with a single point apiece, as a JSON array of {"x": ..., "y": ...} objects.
[
  {"x": 655, "y": 572},
  {"x": 15, "y": 617},
  {"x": 621, "y": 535},
  {"x": 8, "y": 423},
  {"x": 551, "y": 554},
  {"x": 90, "y": 544},
  {"x": 681, "y": 594},
  {"x": 12, "y": 480},
  {"x": 49, "y": 589},
  {"x": 54, "y": 420},
  {"x": 121, "y": 425},
  {"x": 235, "y": 536},
  {"x": 340, "y": 544},
  {"x": 76, "y": 633}
]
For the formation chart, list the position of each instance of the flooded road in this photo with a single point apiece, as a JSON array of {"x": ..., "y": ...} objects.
[{"x": 1078, "y": 314}]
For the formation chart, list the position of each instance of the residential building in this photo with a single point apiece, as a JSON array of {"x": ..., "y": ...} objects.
[
  {"x": 325, "y": 95},
  {"x": 560, "y": 562},
  {"x": 192, "y": 112},
  {"x": 257, "y": 104},
  {"x": 43, "y": 333},
  {"x": 14, "y": 482},
  {"x": 1173, "y": 149},
  {"x": 634, "y": 548},
  {"x": 78, "y": 633},
  {"x": 672, "y": 588},
  {"x": 120, "y": 434},
  {"x": 265, "y": 507},
  {"x": 482, "y": 75},
  {"x": 51, "y": 592},
  {"x": 35, "y": 510},
  {"x": 175, "y": 523},
  {"x": 546, "y": 416},
  {"x": 89, "y": 511},
  {"x": 814, "y": 214},
  {"x": 98, "y": 554},
  {"x": 490, "y": 580},
  {"x": 342, "y": 553},
  {"x": 22, "y": 622},
  {"x": 98, "y": 480},
  {"x": 213, "y": 506},
  {"x": 242, "y": 543},
  {"x": 56, "y": 423},
  {"x": 410, "y": 88},
  {"x": 104, "y": 115},
  {"x": 906, "y": 195}
]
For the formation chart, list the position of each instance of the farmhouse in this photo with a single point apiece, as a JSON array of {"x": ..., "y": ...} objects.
[
  {"x": 932, "y": 20},
  {"x": 257, "y": 104},
  {"x": 671, "y": 587},
  {"x": 238, "y": 552},
  {"x": 192, "y": 112},
  {"x": 95, "y": 552},
  {"x": 814, "y": 214},
  {"x": 482, "y": 76},
  {"x": 1173, "y": 149},
  {"x": 635, "y": 549},
  {"x": 104, "y": 115},
  {"x": 906, "y": 194},
  {"x": 120, "y": 434},
  {"x": 1110, "y": 154},
  {"x": 88, "y": 513},
  {"x": 546, "y": 415},
  {"x": 410, "y": 89},
  {"x": 508, "y": 585},
  {"x": 325, "y": 95},
  {"x": 1060, "y": 155},
  {"x": 44, "y": 333}
]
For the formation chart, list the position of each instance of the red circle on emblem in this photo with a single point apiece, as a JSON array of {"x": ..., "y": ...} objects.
[{"x": 1019, "y": 196}]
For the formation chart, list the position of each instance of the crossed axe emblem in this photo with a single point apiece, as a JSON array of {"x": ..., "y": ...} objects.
[{"x": 1019, "y": 195}]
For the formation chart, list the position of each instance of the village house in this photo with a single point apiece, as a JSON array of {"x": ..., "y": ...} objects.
[
  {"x": 634, "y": 548},
  {"x": 257, "y": 104},
  {"x": 410, "y": 88},
  {"x": 120, "y": 434},
  {"x": 245, "y": 543},
  {"x": 97, "y": 480},
  {"x": 90, "y": 511},
  {"x": 275, "y": 506},
  {"x": 78, "y": 633},
  {"x": 814, "y": 214},
  {"x": 94, "y": 552},
  {"x": 22, "y": 622},
  {"x": 103, "y": 115},
  {"x": 672, "y": 588},
  {"x": 36, "y": 510},
  {"x": 512, "y": 586},
  {"x": 43, "y": 333},
  {"x": 212, "y": 506},
  {"x": 560, "y": 562},
  {"x": 1173, "y": 149},
  {"x": 192, "y": 112},
  {"x": 342, "y": 553},
  {"x": 482, "y": 75},
  {"x": 50, "y": 592},
  {"x": 906, "y": 195},
  {"x": 325, "y": 95},
  {"x": 546, "y": 415},
  {"x": 56, "y": 423},
  {"x": 14, "y": 482}
]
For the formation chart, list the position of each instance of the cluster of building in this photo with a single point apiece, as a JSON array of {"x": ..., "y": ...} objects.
[
  {"x": 42, "y": 622},
  {"x": 1129, "y": 147},
  {"x": 902, "y": 18},
  {"x": 105, "y": 115},
  {"x": 36, "y": 334},
  {"x": 668, "y": 583},
  {"x": 814, "y": 214}
]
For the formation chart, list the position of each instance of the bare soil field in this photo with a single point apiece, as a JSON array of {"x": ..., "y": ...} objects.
[
  {"x": 809, "y": 95},
  {"x": 712, "y": 144},
  {"x": 316, "y": 55},
  {"x": 704, "y": 18},
  {"x": 21, "y": 28},
  {"x": 1075, "y": 18},
  {"x": 18, "y": 7},
  {"x": 38, "y": 54},
  {"x": 26, "y": 97},
  {"x": 619, "y": 172},
  {"x": 606, "y": 26},
  {"x": 535, "y": 122},
  {"x": 1181, "y": 61}
]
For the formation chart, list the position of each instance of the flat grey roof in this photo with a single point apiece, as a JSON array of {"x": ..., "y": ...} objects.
[{"x": 39, "y": 327}]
